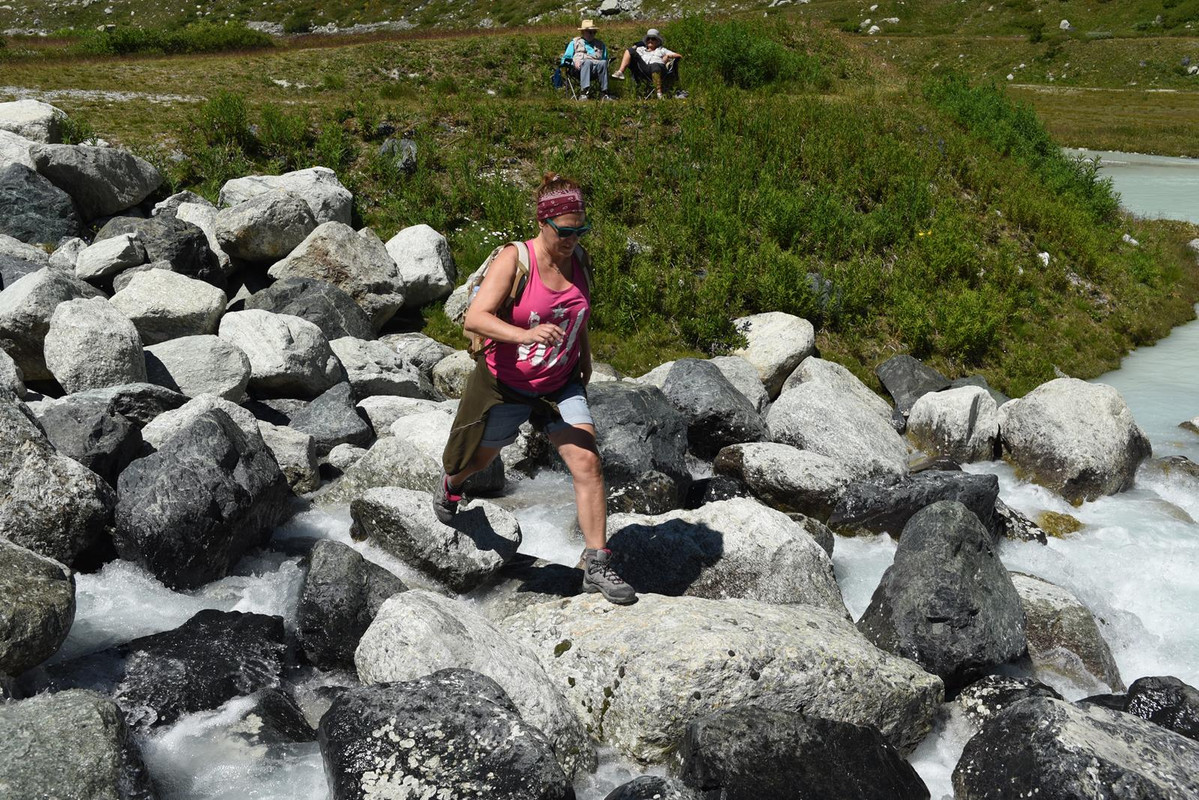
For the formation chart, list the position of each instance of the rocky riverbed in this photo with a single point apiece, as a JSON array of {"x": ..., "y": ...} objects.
[{"x": 182, "y": 385}]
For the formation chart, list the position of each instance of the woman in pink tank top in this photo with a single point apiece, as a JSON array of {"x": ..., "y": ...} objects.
[{"x": 538, "y": 351}]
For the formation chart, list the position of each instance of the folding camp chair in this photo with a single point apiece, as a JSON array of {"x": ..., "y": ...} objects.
[{"x": 566, "y": 77}]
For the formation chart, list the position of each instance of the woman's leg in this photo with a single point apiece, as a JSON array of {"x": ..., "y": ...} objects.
[
  {"x": 479, "y": 462},
  {"x": 577, "y": 447}
]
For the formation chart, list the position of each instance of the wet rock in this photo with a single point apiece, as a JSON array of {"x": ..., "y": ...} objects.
[
  {"x": 735, "y": 548},
  {"x": 288, "y": 356},
  {"x": 906, "y": 379},
  {"x": 651, "y": 787},
  {"x": 188, "y": 512},
  {"x": 164, "y": 305},
  {"x": 373, "y": 368},
  {"x": 785, "y": 477},
  {"x": 638, "y": 674},
  {"x": 461, "y": 555},
  {"x": 1049, "y": 748},
  {"x": 418, "y": 632},
  {"x": 37, "y": 607},
  {"x": 26, "y": 308},
  {"x": 749, "y": 752},
  {"x": 319, "y": 302},
  {"x": 1166, "y": 701},
  {"x": 638, "y": 431},
  {"x": 326, "y": 197},
  {"x": 332, "y": 419},
  {"x": 962, "y": 424},
  {"x": 265, "y": 227},
  {"x": 275, "y": 719},
  {"x": 70, "y": 744},
  {"x": 1011, "y": 524},
  {"x": 101, "y": 180},
  {"x": 426, "y": 267},
  {"x": 947, "y": 601},
  {"x": 354, "y": 261},
  {"x": 342, "y": 593},
  {"x": 885, "y": 505},
  {"x": 196, "y": 365},
  {"x": 1063, "y": 637},
  {"x": 1076, "y": 438},
  {"x": 91, "y": 433},
  {"x": 717, "y": 414},
  {"x": 989, "y": 696},
  {"x": 450, "y": 729},
  {"x": 775, "y": 344}
]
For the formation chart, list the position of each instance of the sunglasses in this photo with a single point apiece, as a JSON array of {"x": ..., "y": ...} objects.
[{"x": 565, "y": 232}]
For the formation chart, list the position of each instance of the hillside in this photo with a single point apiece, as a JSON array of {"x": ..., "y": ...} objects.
[{"x": 901, "y": 208}]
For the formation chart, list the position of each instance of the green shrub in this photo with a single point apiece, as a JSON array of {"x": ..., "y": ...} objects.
[
  {"x": 75, "y": 130},
  {"x": 298, "y": 21},
  {"x": 197, "y": 37},
  {"x": 744, "y": 54}
]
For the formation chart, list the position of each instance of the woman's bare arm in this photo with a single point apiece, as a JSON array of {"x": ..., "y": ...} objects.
[{"x": 482, "y": 315}]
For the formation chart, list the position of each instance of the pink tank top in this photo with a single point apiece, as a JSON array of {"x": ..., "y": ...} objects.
[{"x": 541, "y": 369}]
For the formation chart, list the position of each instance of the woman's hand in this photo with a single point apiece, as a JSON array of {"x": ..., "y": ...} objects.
[{"x": 546, "y": 333}]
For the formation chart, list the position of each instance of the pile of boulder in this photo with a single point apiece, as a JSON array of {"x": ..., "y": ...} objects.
[{"x": 178, "y": 378}]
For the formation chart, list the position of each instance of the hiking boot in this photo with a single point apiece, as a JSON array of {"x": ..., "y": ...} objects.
[
  {"x": 598, "y": 576},
  {"x": 445, "y": 501}
]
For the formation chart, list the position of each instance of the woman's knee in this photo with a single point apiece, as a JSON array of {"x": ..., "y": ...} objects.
[{"x": 586, "y": 464}]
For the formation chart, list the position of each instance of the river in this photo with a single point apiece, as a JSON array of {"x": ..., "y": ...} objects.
[{"x": 1135, "y": 563}]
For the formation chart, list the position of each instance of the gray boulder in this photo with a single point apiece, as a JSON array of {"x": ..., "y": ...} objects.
[
  {"x": 374, "y": 368},
  {"x": 1077, "y": 438},
  {"x": 885, "y": 505},
  {"x": 12, "y": 382},
  {"x": 67, "y": 253},
  {"x": 326, "y": 197},
  {"x": 109, "y": 256},
  {"x": 417, "y": 349},
  {"x": 1164, "y": 700},
  {"x": 841, "y": 381},
  {"x": 332, "y": 419},
  {"x": 25, "y": 311},
  {"x": 203, "y": 216},
  {"x": 355, "y": 262},
  {"x": 639, "y": 431},
  {"x": 32, "y": 120},
  {"x": 14, "y": 149},
  {"x": 196, "y": 365},
  {"x": 101, "y": 180},
  {"x": 1063, "y": 637},
  {"x": 785, "y": 477},
  {"x": 775, "y": 344},
  {"x": 448, "y": 730},
  {"x": 452, "y": 373},
  {"x": 295, "y": 453},
  {"x": 481, "y": 538},
  {"x": 732, "y": 548},
  {"x": 962, "y": 424},
  {"x": 342, "y": 457},
  {"x": 189, "y": 511},
  {"x": 182, "y": 245},
  {"x": 816, "y": 416},
  {"x": 166, "y": 425},
  {"x": 382, "y": 411},
  {"x": 171, "y": 205},
  {"x": 164, "y": 305},
  {"x": 418, "y": 632},
  {"x": 33, "y": 209},
  {"x": 342, "y": 593},
  {"x": 13, "y": 269},
  {"x": 907, "y": 380},
  {"x": 288, "y": 356},
  {"x": 638, "y": 675},
  {"x": 90, "y": 344},
  {"x": 265, "y": 227},
  {"x": 744, "y": 377},
  {"x": 12, "y": 247},
  {"x": 426, "y": 268},
  {"x": 717, "y": 414},
  {"x": 37, "y": 607},
  {"x": 947, "y": 602},
  {"x": 89, "y": 431},
  {"x": 70, "y": 744},
  {"x": 321, "y": 303},
  {"x": 1041, "y": 747},
  {"x": 140, "y": 402}
]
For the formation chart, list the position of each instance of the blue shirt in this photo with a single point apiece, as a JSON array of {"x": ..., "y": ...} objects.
[{"x": 595, "y": 50}]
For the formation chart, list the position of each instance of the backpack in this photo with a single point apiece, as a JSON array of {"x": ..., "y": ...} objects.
[{"x": 518, "y": 285}]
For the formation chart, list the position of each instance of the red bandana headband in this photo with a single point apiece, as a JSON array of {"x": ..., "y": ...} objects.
[{"x": 563, "y": 201}]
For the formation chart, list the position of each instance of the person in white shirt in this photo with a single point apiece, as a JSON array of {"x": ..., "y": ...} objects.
[{"x": 652, "y": 61}]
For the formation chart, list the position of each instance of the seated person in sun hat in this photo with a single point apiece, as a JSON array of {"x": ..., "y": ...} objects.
[
  {"x": 589, "y": 56},
  {"x": 651, "y": 61}
]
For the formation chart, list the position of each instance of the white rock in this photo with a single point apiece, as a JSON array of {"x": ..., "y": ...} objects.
[
  {"x": 159, "y": 430},
  {"x": 427, "y": 430},
  {"x": 319, "y": 186},
  {"x": 1065, "y": 25},
  {"x": 1044, "y": 259},
  {"x": 296, "y": 453},
  {"x": 92, "y": 345},
  {"x": 838, "y": 379},
  {"x": 874, "y": 30},
  {"x": 266, "y": 227},
  {"x": 657, "y": 375},
  {"x": 165, "y": 305},
  {"x": 775, "y": 344},
  {"x": 373, "y": 368},
  {"x": 31, "y": 119},
  {"x": 785, "y": 477},
  {"x": 745, "y": 379},
  {"x": 1129, "y": 240},
  {"x": 962, "y": 424},
  {"x": 384, "y": 410},
  {"x": 451, "y": 373},
  {"x": 288, "y": 355},
  {"x": 110, "y": 256},
  {"x": 14, "y": 149},
  {"x": 67, "y": 253},
  {"x": 415, "y": 633},
  {"x": 196, "y": 365},
  {"x": 426, "y": 267},
  {"x": 26, "y": 306}
]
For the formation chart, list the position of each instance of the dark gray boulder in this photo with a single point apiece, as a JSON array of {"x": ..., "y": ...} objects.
[
  {"x": 13, "y": 268},
  {"x": 884, "y": 505},
  {"x": 987, "y": 697},
  {"x": 72, "y": 744},
  {"x": 1042, "y": 747},
  {"x": 101, "y": 180},
  {"x": 33, "y": 209},
  {"x": 319, "y": 302},
  {"x": 906, "y": 379},
  {"x": 189, "y": 511},
  {"x": 638, "y": 431},
  {"x": 1166, "y": 701},
  {"x": 652, "y": 787},
  {"x": 333, "y": 418},
  {"x": 89, "y": 431},
  {"x": 138, "y": 402},
  {"x": 448, "y": 730},
  {"x": 37, "y": 607},
  {"x": 750, "y": 753},
  {"x": 276, "y": 718},
  {"x": 717, "y": 414},
  {"x": 652, "y": 493},
  {"x": 947, "y": 602},
  {"x": 342, "y": 593},
  {"x": 168, "y": 239}
]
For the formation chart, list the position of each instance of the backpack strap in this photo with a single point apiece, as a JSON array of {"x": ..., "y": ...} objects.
[
  {"x": 519, "y": 281},
  {"x": 585, "y": 262}
]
